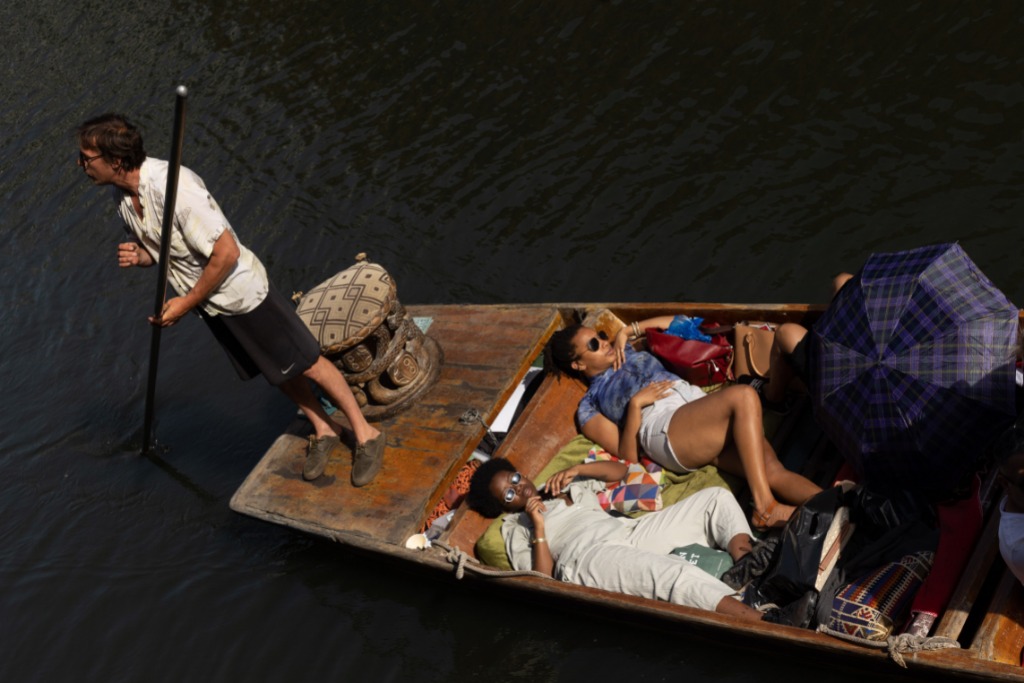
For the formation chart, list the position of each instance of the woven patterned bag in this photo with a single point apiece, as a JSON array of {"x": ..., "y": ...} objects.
[{"x": 872, "y": 607}]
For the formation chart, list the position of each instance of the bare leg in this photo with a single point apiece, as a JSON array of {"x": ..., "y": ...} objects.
[
  {"x": 787, "y": 336},
  {"x": 299, "y": 391},
  {"x": 789, "y": 485},
  {"x": 333, "y": 383},
  {"x": 786, "y": 484},
  {"x": 725, "y": 429},
  {"x": 330, "y": 379},
  {"x": 837, "y": 283}
]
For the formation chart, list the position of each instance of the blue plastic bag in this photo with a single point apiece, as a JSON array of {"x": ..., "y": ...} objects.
[{"x": 687, "y": 328}]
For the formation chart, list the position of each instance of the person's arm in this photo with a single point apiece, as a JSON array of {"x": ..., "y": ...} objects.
[
  {"x": 603, "y": 432},
  {"x": 629, "y": 443},
  {"x": 222, "y": 262},
  {"x": 602, "y": 470},
  {"x": 636, "y": 330},
  {"x": 540, "y": 551}
]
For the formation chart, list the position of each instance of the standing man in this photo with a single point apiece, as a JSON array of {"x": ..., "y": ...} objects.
[{"x": 225, "y": 284}]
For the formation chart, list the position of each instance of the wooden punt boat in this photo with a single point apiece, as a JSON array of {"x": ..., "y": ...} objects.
[{"x": 488, "y": 349}]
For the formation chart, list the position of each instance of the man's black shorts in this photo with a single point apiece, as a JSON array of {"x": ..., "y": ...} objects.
[{"x": 270, "y": 340}]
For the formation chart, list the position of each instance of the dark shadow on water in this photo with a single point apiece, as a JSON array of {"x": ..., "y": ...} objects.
[{"x": 155, "y": 455}]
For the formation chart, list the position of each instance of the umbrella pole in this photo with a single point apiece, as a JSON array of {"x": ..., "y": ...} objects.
[{"x": 174, "y": 164}]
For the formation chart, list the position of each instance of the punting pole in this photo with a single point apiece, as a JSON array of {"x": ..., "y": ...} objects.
[{"x": 173, "y": 165}]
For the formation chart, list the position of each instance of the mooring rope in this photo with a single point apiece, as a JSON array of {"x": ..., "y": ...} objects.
[
  {"x": 463, "y": 561},
  {"x": 908, "y": 642},
  {"x": 899, "y": 645}
]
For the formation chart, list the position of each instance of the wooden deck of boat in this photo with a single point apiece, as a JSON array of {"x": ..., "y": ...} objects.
[{"x": 487, "y": 350}]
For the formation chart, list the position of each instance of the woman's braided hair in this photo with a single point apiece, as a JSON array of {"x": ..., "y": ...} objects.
[{"x": 560, "y": 353}]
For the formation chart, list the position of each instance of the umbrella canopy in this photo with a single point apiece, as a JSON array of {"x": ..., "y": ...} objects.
[{"x": 912, "y": 368}]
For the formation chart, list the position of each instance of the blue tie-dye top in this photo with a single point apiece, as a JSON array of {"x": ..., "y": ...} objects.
[{"x": 609, "y": 392}]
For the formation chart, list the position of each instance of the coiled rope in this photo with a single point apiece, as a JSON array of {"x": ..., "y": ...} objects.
[{"x": 899, "y": 645}]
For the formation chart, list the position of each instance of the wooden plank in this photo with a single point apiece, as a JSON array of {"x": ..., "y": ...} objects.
[
  {"x": 1000, "y": 637},
  {"x": 487, "y": 350},
  {"x": 972, "y": 579}
]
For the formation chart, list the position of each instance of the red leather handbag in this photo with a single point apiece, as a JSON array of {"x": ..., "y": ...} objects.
[{"x": 699, "y": 363}]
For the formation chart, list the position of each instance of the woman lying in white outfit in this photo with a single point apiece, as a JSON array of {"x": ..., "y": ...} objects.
[{"x": 568, "y": 536}]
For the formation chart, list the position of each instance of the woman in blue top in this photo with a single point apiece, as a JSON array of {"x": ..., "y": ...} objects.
[{"x": 633, "y": 403}]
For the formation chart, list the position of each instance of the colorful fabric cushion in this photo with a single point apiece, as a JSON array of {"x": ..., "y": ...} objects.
[
  {"x": 343, "y": 310},
  {"x": 872, "y": 607},
  {"x": 640, "y": 489}
]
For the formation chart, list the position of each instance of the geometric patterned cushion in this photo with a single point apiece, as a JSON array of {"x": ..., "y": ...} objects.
[
  {"x": 342, "y": 311},
  {"x": 639, "y": 490},
  {"x": 872, "y": 607}
]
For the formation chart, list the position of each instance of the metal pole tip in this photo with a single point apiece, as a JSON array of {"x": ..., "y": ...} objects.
[{"x": 182, "y": 91}]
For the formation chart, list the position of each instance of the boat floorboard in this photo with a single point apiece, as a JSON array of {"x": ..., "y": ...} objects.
[{"x": 487, "y": 350}]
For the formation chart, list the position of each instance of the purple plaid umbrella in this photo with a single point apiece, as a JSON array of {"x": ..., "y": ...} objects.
[{"x": 912, "y": 368}]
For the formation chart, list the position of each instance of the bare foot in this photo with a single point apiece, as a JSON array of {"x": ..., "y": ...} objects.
[{"x": 774, "y": 516}]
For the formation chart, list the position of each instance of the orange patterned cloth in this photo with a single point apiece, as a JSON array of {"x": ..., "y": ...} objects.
[{"x": 454, "y": 495}]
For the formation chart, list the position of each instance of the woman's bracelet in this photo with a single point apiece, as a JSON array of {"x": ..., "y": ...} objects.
[
  {"x": 636, "y": 330},
  {"x": 538, "y": 540}
]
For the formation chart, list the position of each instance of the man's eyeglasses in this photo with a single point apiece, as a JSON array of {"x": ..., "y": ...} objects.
[
  {"x": 593, "y": 344},
  {"x": 84, "y": 161},
  {"x": 510, "y": 493}
]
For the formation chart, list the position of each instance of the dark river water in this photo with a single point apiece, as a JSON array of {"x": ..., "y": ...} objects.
[{"x": 483, "y": 152}]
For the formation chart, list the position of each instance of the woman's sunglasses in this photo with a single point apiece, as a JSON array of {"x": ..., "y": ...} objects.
[
  {"x": 510, "y": 493},
  {"x": 593, "y": 344}
]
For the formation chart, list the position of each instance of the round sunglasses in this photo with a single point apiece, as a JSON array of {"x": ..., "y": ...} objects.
[
  {"x": 510, "y": 493},
  {"x": 594, "y": 343}
]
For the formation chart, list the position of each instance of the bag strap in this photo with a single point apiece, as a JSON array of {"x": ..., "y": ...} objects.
[{"x": 748, "y": 345}]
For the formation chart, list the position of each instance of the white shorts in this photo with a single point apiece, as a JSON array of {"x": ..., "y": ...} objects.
[{"x": 654, "y": 422}]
